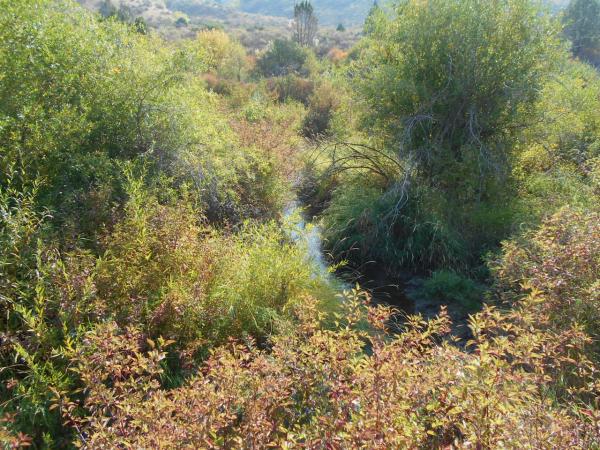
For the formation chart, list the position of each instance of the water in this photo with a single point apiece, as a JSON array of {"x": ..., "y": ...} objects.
[
  {"x": 372, "y": 278},
  {"x": 309, "y": 236}
]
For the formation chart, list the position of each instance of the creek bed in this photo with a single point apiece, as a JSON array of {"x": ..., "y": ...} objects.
[{"x": 372, "y": 278}]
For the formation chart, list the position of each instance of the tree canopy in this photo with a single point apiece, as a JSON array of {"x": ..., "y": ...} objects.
[{"x": 582, "y": 27}]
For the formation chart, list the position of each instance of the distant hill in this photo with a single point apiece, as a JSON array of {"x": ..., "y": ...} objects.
[
  {"x": 264, "y": 19},
  {"x": 329, "y": 12}
]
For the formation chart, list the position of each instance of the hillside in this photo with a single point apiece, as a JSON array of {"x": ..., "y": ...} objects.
[
  {"x": 330, "y": 12},
  {"x": 198, "y": 13},
  {"x": 176, "y": 19}
]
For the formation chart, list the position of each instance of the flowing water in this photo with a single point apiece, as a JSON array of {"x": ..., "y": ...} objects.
[
  {"x": 308, "y": 235},
  {"x": 372, "y": 278}
]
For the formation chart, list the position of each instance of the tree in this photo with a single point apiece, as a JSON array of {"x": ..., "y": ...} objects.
[
  {"x": 444, "y": 97},
  {"x": 582, "y": 27},
  {"x": 284, "y": 57},
  {"x": 374, "y": 15},
  {"x": 448, "y": 86},
  {"x": 182, "y": 21},
  {"x": 108, "y": 9},
  {"x": 305, "y": 23},
  {"x": 341, "y": 27},
  {"x": 139, "y": 24},
  {"x": 125, "y": 14},
  {"x": 221, "y": 54}
]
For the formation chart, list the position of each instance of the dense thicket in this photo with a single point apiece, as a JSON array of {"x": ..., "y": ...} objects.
[
  {"x": 156, "y": 293},
  {"x": 118, "y": 173},
  {"x": 443, "y": 105}
]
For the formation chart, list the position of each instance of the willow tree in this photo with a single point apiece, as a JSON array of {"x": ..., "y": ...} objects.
[
  {"x": 450, "y": 82},
  {"x": 305, "y": 23},
  {"x": 445, "y": 87}
]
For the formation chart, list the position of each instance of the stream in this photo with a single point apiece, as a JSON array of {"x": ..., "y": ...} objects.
[{"x": 373, "y": 278}]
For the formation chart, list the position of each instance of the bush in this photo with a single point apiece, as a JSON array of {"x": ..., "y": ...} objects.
[
  {"x": 164, "y": 274},
  {"x": 409, "y": 392},
  {"x": 556, "y": 165},
  {"x": 284, "y": 57},
  {"x": 292, "y": 87},
  {"x": 323, "y": 103},
  {"x": 222, "y": 55},
  {"x": 110, "y": 98},
  {"x": 431, "y": 102},
  {"x": 399, "y": 230},
  {"x": 174, "y": 277},
  {"x": 260, "y": 278},
  {"x": 448, "y": 287},
  {"x": 560, "y": 260},
  {"x": 337, "y": 56}
]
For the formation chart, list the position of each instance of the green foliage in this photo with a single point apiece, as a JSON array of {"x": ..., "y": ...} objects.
[
  {"x": 449, "y": 287},
  {"x": 561, "y": 259},
  {"x": 292, "y": 87},
  {"x": 323, "y": 104},
  {"x": 261, "y": 277},
  {"x": 222, "y": 55},
  {"x": 152, "y": 296},
  {"x": 364, "y": 224},
  {"x": 78, "y": 94},
  {"x": 167, "y": 273},
  {"x": 32, "y": 323},
  {"x": 558, "y": 162},
  {"x": 446, "y": 88},
  {"x": 435, "y": 92},
  {"x": 375, "y": 16},
  {"x": 164, "y": 273},
  {"x": 582, "y": 27},
  {"x": 284, "y": 57},
  {"x": 182, "y": 21}
]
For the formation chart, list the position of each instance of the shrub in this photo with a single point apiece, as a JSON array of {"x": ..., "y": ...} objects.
[
  {"x": 110, "y": 97},
  {"x": 260, "y": 278},
  {"x": 174, "y": 277},
  {"x": 319, "y": 389},
  {"x": 433, "y": 105},
  {"x": 182, "y": 21},
  {"x": 337, "y": 56},
  {"x": 292, "y": 87},
  {"x": 222, "y": 55},
  {"x": 323, "y": 103},
  {"x": 561, "y": 260},
  {"x": 156, "y": 269},
  {"x": 415, "y": 98},
  {"x": 449, "y": 287},
  {"x": 284, "y": 57},
  {"x": 581, "y": 20},
  {"x": 398, "y": 229},
  {"x": 556, "y": 165}
]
